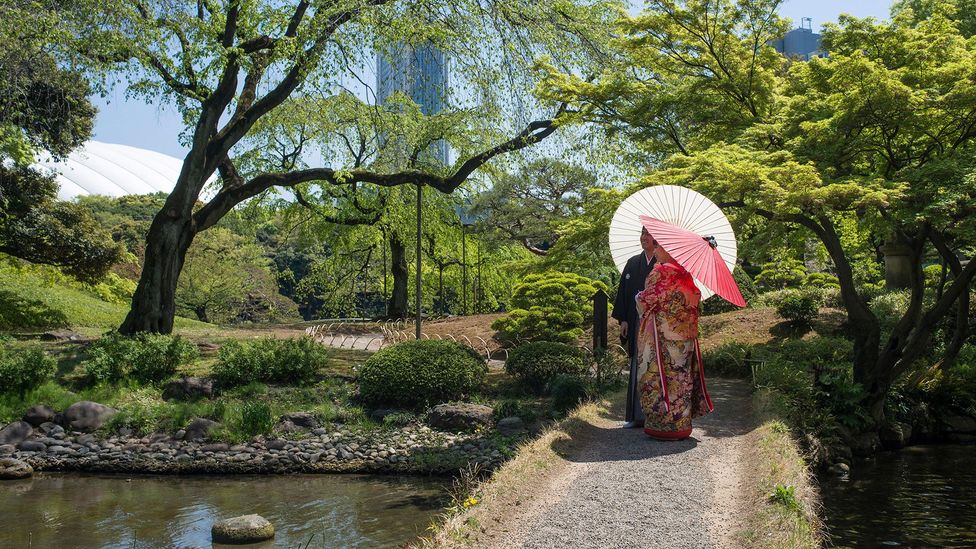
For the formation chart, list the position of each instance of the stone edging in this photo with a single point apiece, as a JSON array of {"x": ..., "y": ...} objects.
[{"x": 409, "y": 450}]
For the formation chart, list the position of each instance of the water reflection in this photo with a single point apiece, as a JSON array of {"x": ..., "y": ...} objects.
[
  {"x": 922, "y": 496},
  {"x": 73, "y": 510}
]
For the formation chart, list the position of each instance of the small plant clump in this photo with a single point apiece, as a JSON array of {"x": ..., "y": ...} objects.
[
  {"x": 144, "y": 358},
  {"x": 294, "y": 360},
  {"x": 22, "y": 371}
]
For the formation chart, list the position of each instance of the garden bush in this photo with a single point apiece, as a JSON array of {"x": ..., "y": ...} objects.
[
  {"x": 797, "y": 307},
  {"x": 551, "y": 306},
  {"x": 728, "y": 359},
  {"x": 821, "y": 280},
  {"x": 291, "y": 361},
  {"x": 567, "y": 391},
  {"x": 24, "y": 370},
  {"x": 781, "y": 274},
  {"x": 144, "y": 358},
  {"x": 420, "y": 373},
  {"x": 537, "y": 364}
]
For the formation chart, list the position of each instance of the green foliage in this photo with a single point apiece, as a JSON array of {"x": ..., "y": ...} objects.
[
  {"x": 399, "y": 419},
  {"x": 728, "y": 359},
  {"x": 24, "y": 370},
  {"x": 38, "y": 296},
  {"x": 567, "y": 392},
  {"x": 537, "y": 364},
  {"x": 781, "y": 274},
  {"x": 419, "y": 373},
  {"x": 37, "y": 227},
  {"x": 797, "y": 307},
  {"x": 291, "y": 361},
  {"x": 785, "y": 496},
  {"x": 821, "y": 280},
  {"x": 526, "y": 207},
  {"x": 43, "y": 102},
  {"x": 551, "y": 306},
  {"x": 255, "y": 418},
  {"x": 227, "y": 279},
  {"x": 815, "y": 376},
  {"x": 143, "y": 358}
]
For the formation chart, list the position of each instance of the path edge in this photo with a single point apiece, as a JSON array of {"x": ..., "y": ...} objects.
[{"x": 534, "y": 465}]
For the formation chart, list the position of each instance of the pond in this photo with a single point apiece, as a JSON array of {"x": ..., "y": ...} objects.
[
  {"x": 921, "y": 496},
  {"x": 85, "y": 510}
]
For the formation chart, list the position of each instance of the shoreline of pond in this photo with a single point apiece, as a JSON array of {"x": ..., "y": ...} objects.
[{"x": 416, "y": 450}]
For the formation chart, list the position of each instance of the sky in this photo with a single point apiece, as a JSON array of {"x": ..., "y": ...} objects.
[{"x": 135, "y": 123}]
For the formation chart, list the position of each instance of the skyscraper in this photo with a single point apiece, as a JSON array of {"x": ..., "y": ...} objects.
[
  {"x": 801, "y": 42},
  {"x": 420, "y": 72}
]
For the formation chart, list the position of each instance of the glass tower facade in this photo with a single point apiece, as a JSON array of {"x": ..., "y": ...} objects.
[
  {"x": 801, "y": 42},
  {"x": 420, "y": 72}
]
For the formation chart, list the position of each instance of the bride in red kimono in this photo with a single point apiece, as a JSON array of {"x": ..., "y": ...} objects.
[{"x": 671, "y": 381}]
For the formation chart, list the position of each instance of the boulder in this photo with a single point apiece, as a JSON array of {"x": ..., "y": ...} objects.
[
  {"x": 6, "y": 449},
  {"x": 510, "y": 426},
  {"x": 15, "y": 432},
  {"x": 32, "y": 446},
  {"x": 87, "y": 415},
  {"x": 39, "y": 414},
  {"x": 243, "y": 529},
  {"x": 893, "y": 435},
  {"x": 199, "y": 428},
  {"x": 50, "y": 428},
  {"x": 839, "y": 469},
  {"x": 865, "y": 444},
  {"x": 11, "y": 469},
  {"x": 297, "y": 421},
  {"x": 460, "y": 417},
  {"x": 189, "y": 388},
  {"x": 60, "y": 335}
]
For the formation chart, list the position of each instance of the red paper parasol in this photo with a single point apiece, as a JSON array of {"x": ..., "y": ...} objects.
[{"x": 698, "y": 256}]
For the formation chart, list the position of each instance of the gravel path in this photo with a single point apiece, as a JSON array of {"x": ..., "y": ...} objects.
[{"x": 622, "y": 489}]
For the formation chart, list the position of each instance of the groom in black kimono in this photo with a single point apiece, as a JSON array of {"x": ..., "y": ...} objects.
[{"x": 625, "y": 311}]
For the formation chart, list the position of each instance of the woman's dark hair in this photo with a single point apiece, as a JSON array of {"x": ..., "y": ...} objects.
[{"x": 711, "y": 241}]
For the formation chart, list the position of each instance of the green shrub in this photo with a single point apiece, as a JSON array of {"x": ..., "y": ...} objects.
[
  {"x": 821, "y": 280},
  {"x": 145, "y": 358},
  {"x": 797, "y": 307},
  {"x": 567, "y": 391},
  {"x": 419, "y": 373},
  {"x": 292, "y": 361},
  {"x": 715, "y": 305},
  {"x": 552, "y": 306},
  {"x": 728, "y": 359},
  {"x": 537, "y": 364},
  {"x": 24, "y": 370},
  {"x": 780, "y": 274}
]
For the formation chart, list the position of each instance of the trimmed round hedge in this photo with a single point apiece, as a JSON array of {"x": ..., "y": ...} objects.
[
  {"x": 420, "y": 373},
  {"x": 537, "y": 363}
]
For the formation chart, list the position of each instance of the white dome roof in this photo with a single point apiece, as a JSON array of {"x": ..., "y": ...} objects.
[{"x": 112, "y": 170}]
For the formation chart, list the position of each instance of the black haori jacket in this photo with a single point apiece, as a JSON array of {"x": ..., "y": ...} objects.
[{"x": 631, "y": 282}]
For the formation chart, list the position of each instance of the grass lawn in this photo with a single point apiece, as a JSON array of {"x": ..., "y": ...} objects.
[{"x": 31, "y": 302}]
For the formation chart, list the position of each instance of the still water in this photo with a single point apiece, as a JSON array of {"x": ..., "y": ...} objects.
[
  {"x": 78, "y": 510},
  {"x": 921, "y": 496}
]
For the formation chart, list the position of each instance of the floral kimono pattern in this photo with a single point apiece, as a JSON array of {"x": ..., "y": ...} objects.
[{"x": 671, "y": 382}]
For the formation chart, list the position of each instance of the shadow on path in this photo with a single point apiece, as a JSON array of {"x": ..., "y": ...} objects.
[{"x": 608, "y": 440}]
